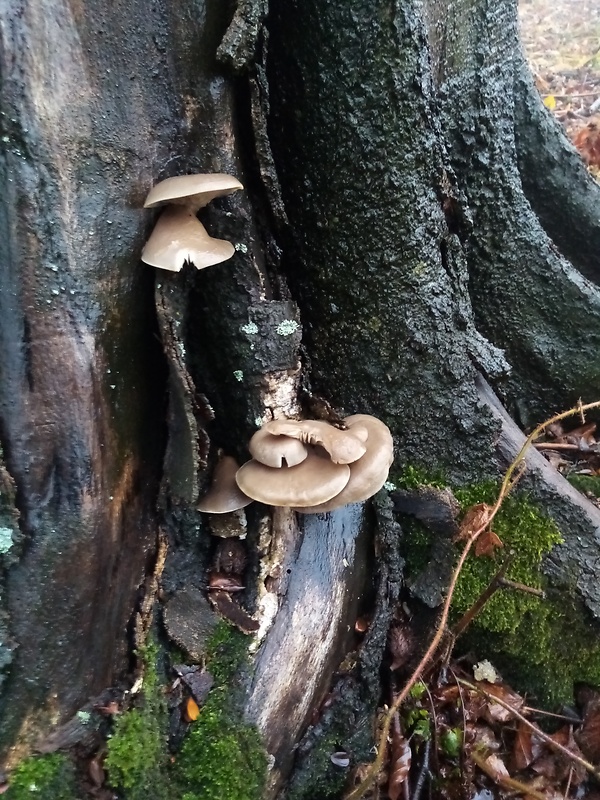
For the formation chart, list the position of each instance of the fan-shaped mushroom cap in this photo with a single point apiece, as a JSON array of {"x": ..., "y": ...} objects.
[
  {"x": 194, "y": 191},
  {"x": 369, "y": 473},
  {"x": 344, "y": 447},
  {"x": 276, "y": 451},
  {"x": 179, "y": 236},
  {"x": 315, "y": 477},
  {"x": 224, "y": 494}
]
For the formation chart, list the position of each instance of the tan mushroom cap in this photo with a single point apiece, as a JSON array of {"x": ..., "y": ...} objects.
[
  {"x": 276, "y": 451},
  {"x": 369, "y": 473},
  {"x": 344, "y": 447},
  {"x": 194, "y": 191},
  {"x": 179, "y": 236},
  {"x": 315, "y": 477},
  {"x": 224, "y": 494}
]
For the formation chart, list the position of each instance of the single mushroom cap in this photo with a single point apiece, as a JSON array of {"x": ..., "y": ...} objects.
[
  {"x": 179, "y": 236},
  {"x": 315, "y": 477},
  {"x": 369, "y": 473},
  {"x": 276, "y": 451},
  {"x": 193, "y": 191},
  {"x": 344, "y": 447},
  {"x": 224, "y": 494}
]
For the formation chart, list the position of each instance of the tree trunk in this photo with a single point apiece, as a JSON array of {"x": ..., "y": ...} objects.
[{"x": 391, "y": 249}]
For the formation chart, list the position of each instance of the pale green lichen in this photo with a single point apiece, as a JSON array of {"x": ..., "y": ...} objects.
[
  {"x": 241, "y": 248},
  {"x": 6, "y": 540},
  {"x": 238, "y": 375},
  {"x": 287, "y": 327},
  {"x": 250, "y": 328}
]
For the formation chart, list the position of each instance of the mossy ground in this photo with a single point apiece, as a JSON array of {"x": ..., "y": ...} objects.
[
  {"x": 543, "y": 645},
  {"x": 220, "y": 757},
  {"x": 45, "y": 777}
]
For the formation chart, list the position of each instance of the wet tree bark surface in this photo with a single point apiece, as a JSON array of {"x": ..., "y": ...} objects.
[{"x": 386, "y": 249}]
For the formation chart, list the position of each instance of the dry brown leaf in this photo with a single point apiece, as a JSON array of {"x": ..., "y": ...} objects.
[
  {"x": 475, "y": 518},
  {"x": 587, "y": 141},
  {"x": 526, "y": 748},
  {"x": 487, "y": 544},
  {"x": 494, "y": 712},
  {"x": 399, "y": 766},
  {"x": 497, "y": 767}
]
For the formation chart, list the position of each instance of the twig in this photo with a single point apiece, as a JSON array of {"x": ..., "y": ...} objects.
[
  {"x": 504, "y": 780},
  {"x": 483, "y": 598},
  {"x": 564, "y": 446},
  {"x": 423, "y": 771},
  {"x": 509, "y": 481},
  {"x": 538, "y": 732},
  {"x": 522, "y": 587}
]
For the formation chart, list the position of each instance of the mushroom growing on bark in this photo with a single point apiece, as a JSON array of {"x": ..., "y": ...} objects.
[
  {"x": 224, "y": 494},
  {"x": 179, "y": 236},
  {"x": 368, "y": 473},
  {"x": 338, "y": 466}
]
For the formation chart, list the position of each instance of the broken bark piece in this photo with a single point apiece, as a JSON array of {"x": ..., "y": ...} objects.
[
  {"x": 189, "y": 621},
  {"x": 436, "y": 508},
  {"x": 226, "y": 606},
  {"x": 198, "y": 681}
]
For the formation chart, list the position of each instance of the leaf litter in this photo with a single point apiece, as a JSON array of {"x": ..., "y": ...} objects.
[{"x": 562, "y": 43}]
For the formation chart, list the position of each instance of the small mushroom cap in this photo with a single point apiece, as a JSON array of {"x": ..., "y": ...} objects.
[
  {"x": 276, "y": 451},
  {"x": 179, "y": 236},
  {"x": 369, "y": 473},
  {"x": 195, "y": 191},
  {"x": 224, "y": 494},
  {"x": 293, "y": 486},
  {"x": 344, "y": 447}
]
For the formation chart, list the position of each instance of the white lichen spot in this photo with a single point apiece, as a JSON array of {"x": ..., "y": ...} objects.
[
  {"x": 33, "y": 787},
  {"x": 238, "y": 375},
  {"x": 258, "y": 421},
  {"x": 241, "y": 248},
  {"x": 389, "y": 486},
  {"x": 250, "y": 328},
  {"x": 287, "y": 327},
  {"x": 6, "y": 541},
  {"x": 84, "y": 716},
  {"x": 485, "y": 671}
]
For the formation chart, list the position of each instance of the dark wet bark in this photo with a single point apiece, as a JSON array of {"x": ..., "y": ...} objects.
[
  {"x": 550, "y": 169},
  {"x": 384, "y": 252}
]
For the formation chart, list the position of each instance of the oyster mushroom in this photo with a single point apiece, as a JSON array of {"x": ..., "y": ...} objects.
[
  {"x": 224, "y": 494},
  {"x": 300, "y": 485},
  {"x": 274, "y": 450},
  {"x": 369, "y": 473},
  {"x": 179, "y": 235},
  {"x": 343, "y": 447}
]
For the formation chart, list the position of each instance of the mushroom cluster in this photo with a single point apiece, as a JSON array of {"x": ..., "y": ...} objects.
[
  {"x": 179, "y": 236},
  {"x": 310, "y": 465}
]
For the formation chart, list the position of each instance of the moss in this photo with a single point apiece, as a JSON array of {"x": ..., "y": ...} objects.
[
  {"x": 222, "y": 756},
  {"x": 529, "y": 535},
  {"x": 46, "y": 777},
  {"x": 320, "y": 779},
  {"x": 137, "y": 754},
  {"x": 586, "y": 484},
  {"x": 543, "y": 646}
]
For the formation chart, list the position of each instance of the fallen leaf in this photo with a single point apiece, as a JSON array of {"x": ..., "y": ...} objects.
[
  {"x": 191, "y": 710},
  {"x": 487, "y": 544},
  {"x": 223, "y": 603},
  {"x": 475, "y": 518},
  {"x": 399, "y": 767},
  {"x": 497, "y": 767}
]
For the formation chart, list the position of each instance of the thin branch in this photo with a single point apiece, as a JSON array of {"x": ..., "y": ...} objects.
[
  {"x": 506, "y": 583},
  {"x": 504, "y": 780},
  {"x": 483, "y": 598}
]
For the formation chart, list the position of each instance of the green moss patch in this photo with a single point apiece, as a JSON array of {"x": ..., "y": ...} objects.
[
  {"x": 222, "y": 756},
  {"x": 137, "y": 751},
  {"x": 45, "y": 777},
  {"x": 543, "y": 645}
]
